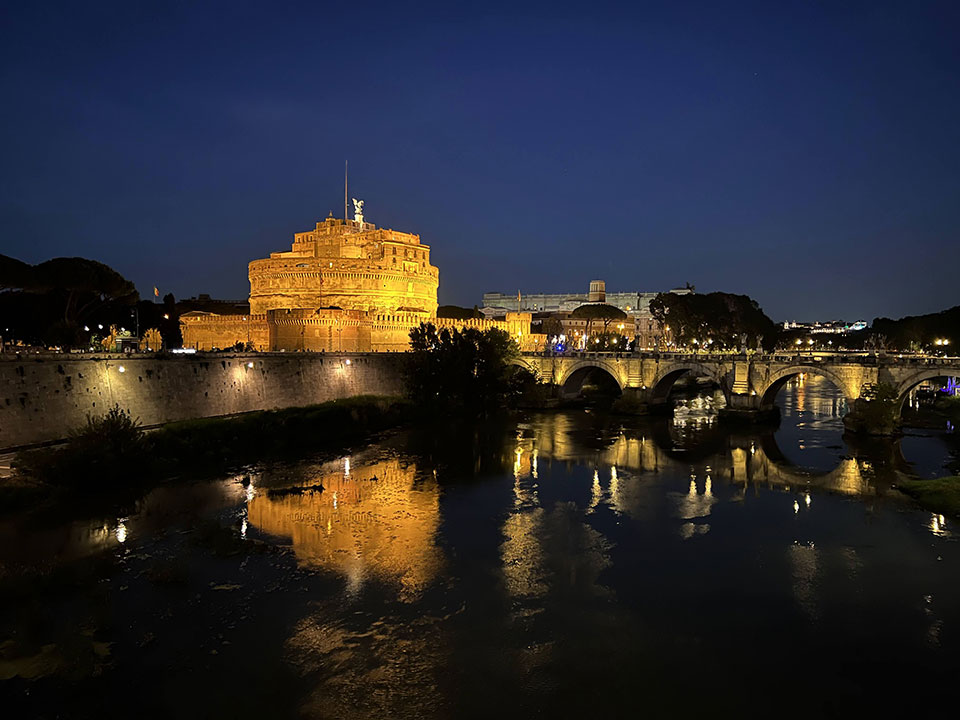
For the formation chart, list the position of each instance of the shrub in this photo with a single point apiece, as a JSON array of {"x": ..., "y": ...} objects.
[{"x": 103, "y": 449}]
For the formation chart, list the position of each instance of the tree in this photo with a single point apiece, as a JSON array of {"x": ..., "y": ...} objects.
[
  {"x": 87, "y": 284},
  {"x": 601, "y": 312},
  {"x": 551, "y": 327},
  {"x": 151, "y": 340},
  {"x": 876, "y": 413},
  {"x": 14, "y": 274},
  {"x": 717, "y": 319},
  {"x": 922, "y": 331},
  {"x": 52, "y": 301},
  {"x": 461, "y": 372}
]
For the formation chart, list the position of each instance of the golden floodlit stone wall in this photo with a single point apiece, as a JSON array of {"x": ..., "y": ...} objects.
[
  {"x": 43, "y": 398},
  {"x": 210, "y": 331}
]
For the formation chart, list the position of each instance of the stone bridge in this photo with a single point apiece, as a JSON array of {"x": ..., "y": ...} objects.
[{"x": 749, "y": 382}]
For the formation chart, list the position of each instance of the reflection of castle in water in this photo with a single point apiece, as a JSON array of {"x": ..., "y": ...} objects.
[{"x": 376, "y": 521}]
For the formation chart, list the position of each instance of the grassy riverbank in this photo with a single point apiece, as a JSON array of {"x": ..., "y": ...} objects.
[
  {"x": 112, "y": 455},
  {"x": 941, "y": 495}
]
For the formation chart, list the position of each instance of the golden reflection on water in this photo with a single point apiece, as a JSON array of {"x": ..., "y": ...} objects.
[
  {"x": 543, "y": 549},
  {"x": 376, "y": 521},
  {"x": 938, "y": 525},
  {"x": 695, "y": 505}
]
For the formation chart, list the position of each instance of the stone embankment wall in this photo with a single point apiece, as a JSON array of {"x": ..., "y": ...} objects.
[{"x": 44, "y": 397}]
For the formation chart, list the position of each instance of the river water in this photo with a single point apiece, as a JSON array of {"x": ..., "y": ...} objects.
[{"x": 565, "y": 564}]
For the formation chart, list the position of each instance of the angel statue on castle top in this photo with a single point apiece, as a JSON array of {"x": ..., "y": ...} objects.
[{"x": 358, "y": 210}]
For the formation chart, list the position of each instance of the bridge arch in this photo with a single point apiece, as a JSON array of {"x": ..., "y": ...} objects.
[
  {"x": 776, "y": 380},
  {"x": 911, "y": 381},
  {"x": 573, "y": 380},
  {"x": 661, "y": 388}
]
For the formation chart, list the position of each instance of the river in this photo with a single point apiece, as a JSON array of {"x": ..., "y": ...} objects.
[{"x": 560, "y": 565}]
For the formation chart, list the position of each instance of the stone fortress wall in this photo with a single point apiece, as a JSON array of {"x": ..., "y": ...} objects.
[{"x": 43, "y": 397}]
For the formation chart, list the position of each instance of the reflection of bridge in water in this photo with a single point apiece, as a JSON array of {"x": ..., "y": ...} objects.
[
  {"x": 746, "y": 461},
  {"x": 748, "y": 382}
]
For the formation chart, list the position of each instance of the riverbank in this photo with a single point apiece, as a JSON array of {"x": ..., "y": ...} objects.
[
  {"x": 940, "y": 495},
  {"x": 122, "y": 461}
]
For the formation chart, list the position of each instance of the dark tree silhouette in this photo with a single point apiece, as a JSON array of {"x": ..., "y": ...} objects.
[
  {"x": 601, "y": 312},
  {"x": 719, "y": 317},
  {"x": 53, "y": 300},
  {"x": 463, "y": 372}
]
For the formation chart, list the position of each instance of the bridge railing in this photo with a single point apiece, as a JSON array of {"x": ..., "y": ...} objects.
[{"x": 795, "y": 358}]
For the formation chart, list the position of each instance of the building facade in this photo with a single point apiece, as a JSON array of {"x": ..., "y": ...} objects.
[
  {"x": 636, "y": 303},
  {"x": 639, "y": 325}
]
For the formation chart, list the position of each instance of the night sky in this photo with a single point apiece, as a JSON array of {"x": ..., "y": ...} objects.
[{"x": 803, "y": 153}]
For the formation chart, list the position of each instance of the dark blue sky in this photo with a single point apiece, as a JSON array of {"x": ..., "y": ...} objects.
[{"x": 803, "y": 153}]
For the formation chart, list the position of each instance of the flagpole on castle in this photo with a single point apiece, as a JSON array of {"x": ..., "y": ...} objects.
[{"x": 345, "y": 189}]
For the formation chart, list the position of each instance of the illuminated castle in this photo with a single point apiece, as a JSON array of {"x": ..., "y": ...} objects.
[
  {"x": 347, "y": 264},
  {"x": 344, "y": 285}
]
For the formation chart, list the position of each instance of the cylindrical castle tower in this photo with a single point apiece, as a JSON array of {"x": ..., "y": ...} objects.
[{"x": 345, "y": 264}]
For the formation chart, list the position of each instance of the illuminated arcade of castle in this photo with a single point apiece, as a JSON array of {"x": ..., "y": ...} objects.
[{"x": 344, "y": 285}]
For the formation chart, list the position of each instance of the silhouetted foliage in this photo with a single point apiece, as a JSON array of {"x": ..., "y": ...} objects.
[
  {"x": 919, "y": 332},
  {"x": 52, "y": 301},
  {"x": 878, "y": 413},
  {"x": 14, "y": 273},
  {"x": 551, "y": 327},
  {"x": 103, "y": 450},
  {"x": 87, "y": 285},
  {"x": 463, "y": 372},
  {"x": 720, "y": 317},
  {"x": 169, "y": 323},
  {"x": 598, "y": 313}
]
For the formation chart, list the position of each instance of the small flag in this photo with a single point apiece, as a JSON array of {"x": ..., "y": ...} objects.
[{"x": 156, "y": 291}]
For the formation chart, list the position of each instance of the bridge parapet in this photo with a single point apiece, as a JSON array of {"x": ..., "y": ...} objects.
[{"x": 749, "y": 382}]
